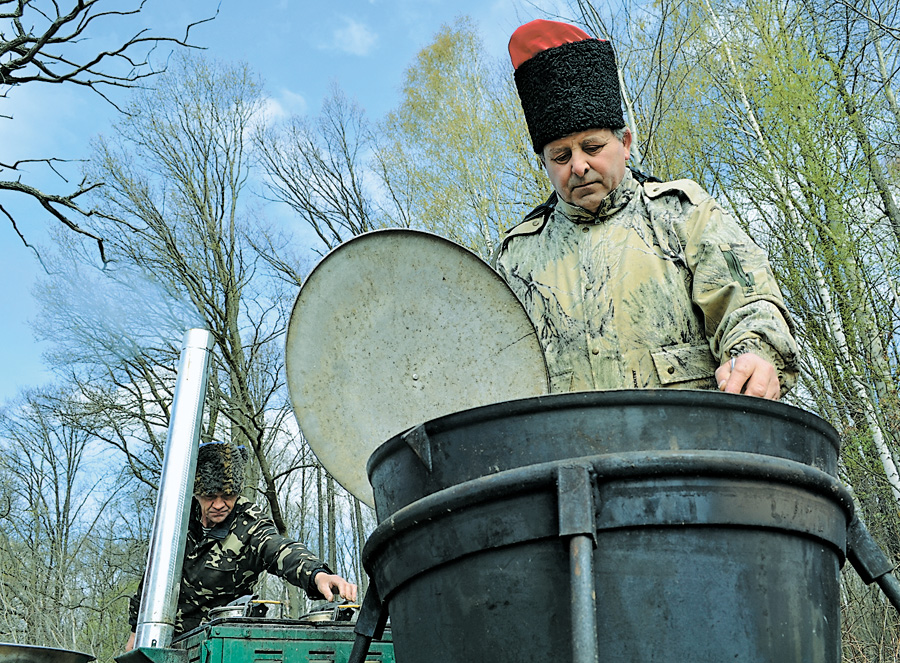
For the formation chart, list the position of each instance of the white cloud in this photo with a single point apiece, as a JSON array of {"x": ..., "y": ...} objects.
[
  {"x": 283, "y": 106},
  {"x": 292, "y": 103},
  {"x": 354, "y": 38}
]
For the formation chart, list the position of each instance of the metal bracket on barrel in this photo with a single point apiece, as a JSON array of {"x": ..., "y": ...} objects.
[
  {"x": 576, "y": 520},
  {"x": 417, "y": 440}
]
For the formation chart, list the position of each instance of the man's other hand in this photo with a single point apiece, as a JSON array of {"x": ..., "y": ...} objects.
[
  {"x": 331, "y": 586},
  {"x": 749, "y": 374}
]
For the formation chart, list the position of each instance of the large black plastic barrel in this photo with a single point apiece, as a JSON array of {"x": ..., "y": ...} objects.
[{"x": 614, "y": 526}]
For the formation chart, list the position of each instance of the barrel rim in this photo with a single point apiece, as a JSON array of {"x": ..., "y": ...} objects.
[{"x": 710, "y": 400}]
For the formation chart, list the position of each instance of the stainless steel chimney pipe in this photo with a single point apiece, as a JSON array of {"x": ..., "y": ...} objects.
[{"x": 156, "y": 617}]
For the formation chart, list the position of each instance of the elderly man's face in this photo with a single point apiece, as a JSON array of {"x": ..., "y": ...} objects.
[
  {"x": 215, "y": 508},
  {"x": 585, "y": 166}
]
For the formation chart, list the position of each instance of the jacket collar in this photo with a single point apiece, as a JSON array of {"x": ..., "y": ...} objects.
[
  {"x": 221, "y": 530},
  {"x": 616, "y": 200}
]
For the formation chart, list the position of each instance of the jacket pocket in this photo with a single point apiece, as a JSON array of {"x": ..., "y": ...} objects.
[
  {"x": 737, "y": 269},
  {"x": 684, "y": 363},
  {"x": 220, "y": 573}
]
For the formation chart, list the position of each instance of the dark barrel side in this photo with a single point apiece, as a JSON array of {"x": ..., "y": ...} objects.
[{"x": 717, "y": 524}]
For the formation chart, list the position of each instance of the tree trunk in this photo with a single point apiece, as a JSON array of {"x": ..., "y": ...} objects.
[{"x": 332, "y": 524}]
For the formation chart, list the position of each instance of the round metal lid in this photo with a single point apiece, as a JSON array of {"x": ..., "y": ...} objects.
[
  {"x": 14, "y": 653},
  {"x": 396, "y": 327}
]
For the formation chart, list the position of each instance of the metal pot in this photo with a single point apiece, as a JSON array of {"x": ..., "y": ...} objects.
[
  {"x": 227, "y": 611},
  {"x": 333, "y": 612},
  {"x": 318, "y": 616}
]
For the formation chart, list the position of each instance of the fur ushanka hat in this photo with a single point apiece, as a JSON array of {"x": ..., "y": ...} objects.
[
  {"x": 567, "y": 81},
  {"x": 220, "y": 469}
]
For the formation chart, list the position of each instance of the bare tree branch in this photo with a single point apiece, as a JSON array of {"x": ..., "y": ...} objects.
[
  {"x": 49, "y": 203},
  {"x": 27, "y": 56},
  {"x": 875, "y": 19},
  {"x": 46, "y": 44}
]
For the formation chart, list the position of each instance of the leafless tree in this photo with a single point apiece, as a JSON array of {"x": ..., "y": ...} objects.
[
  {"x": 317, "y": 168},
  {"x": 56, "y": 495},
  {"x": 180, "y": 234},
  {"x": 44, "y": 42}
]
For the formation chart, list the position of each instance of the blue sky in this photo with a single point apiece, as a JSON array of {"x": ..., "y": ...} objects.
[{"x": 298, "y": 48}]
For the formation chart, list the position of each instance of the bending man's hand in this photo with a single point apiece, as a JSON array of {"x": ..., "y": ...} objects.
[
  {"x": 752, "y": 375},
  {"x": 331, "y": 585}
]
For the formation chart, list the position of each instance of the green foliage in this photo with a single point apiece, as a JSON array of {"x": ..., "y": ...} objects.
[{"x": 455, "y": 154}]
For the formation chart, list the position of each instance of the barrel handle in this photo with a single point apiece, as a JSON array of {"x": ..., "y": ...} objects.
[
  {"x": 870, "y": 562},
  {"x": 370, "y": 624}
]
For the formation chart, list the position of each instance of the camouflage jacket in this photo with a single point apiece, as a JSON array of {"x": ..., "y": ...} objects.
[
  {"x": 656, "y": 289},
  {"x": 224, "y": 564}
]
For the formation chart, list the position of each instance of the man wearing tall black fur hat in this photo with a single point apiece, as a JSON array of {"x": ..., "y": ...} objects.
[
  {"x": 230, "y": 542},
  {"x": 631, "y": 282}
]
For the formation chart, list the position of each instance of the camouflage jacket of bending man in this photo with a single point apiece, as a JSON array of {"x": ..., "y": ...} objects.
[
  {"x": 225, "y": 563},
  {"x": 656, "y": 289}
]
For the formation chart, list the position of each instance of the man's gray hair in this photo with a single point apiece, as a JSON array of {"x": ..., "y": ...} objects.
[{"x": 619, "y": 134}]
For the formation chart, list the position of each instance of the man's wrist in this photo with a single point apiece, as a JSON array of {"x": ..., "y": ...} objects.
[{"x": 312, "y": 578}]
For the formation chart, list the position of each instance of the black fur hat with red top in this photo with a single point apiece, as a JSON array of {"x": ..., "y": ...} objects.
[{"x": 567, "y": 81}]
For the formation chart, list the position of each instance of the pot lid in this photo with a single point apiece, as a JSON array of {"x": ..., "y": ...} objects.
[
  {"x": 14, "y": 653},
  {"x": 396, "y": 327}
]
